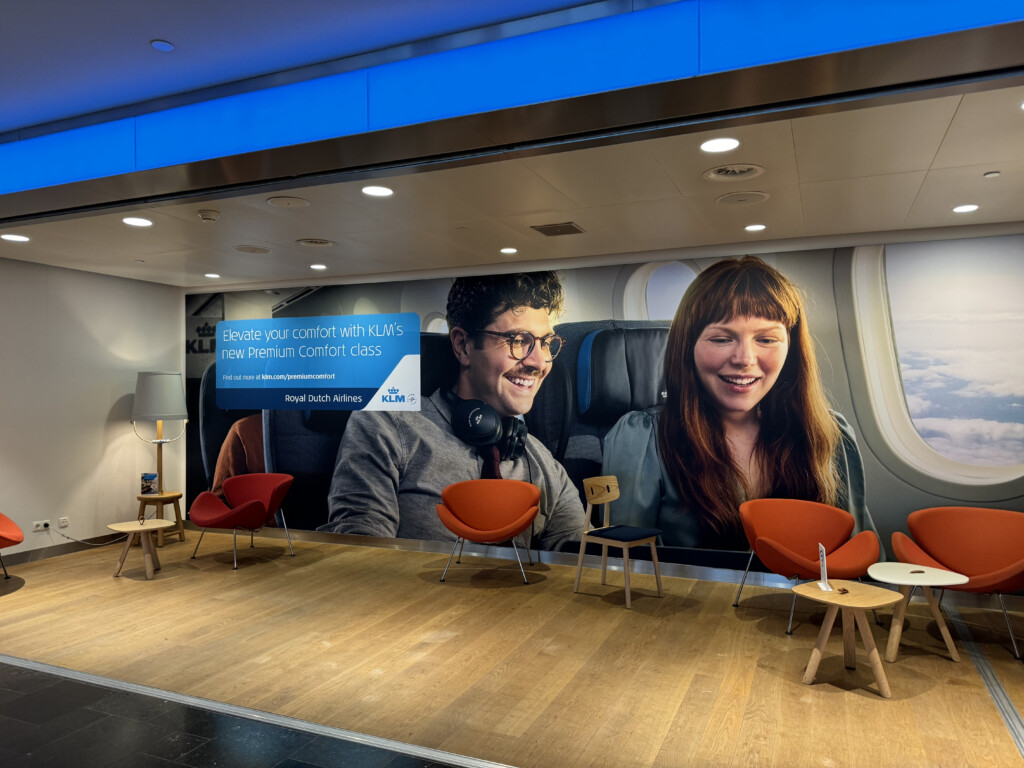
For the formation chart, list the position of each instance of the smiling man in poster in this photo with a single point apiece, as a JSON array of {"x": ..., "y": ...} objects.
[{"x": 392, "y": 466}]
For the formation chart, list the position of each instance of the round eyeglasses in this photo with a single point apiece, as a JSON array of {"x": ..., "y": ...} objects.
[{"x": 521, "y": 343}]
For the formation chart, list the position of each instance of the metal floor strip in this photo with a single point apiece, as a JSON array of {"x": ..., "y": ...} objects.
[
  {"x": 1009, "y": 713},
  {"x": 434, "y": 755}
]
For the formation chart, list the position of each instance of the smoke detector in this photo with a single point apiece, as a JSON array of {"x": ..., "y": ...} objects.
[
  {"x": 209, "y": 215},
  {"x": 733, "y": 172},
  {"x": 742, "y": 198}
]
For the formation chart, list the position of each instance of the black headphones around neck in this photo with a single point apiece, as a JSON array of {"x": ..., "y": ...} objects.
[{"x": 476, "y": 423}]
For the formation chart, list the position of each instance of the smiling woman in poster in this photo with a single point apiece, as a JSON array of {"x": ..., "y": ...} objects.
[{"x": 746, "y": 416}]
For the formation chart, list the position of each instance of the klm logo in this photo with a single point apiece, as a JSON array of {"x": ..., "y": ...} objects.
[{"x": 393, "y": 397}]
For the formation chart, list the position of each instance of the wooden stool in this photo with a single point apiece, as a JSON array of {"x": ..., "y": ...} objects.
[
  {"x": 144, "y": 532},
  {"x": 853, "y": 598},
  {"x": 158, "y": 500}
]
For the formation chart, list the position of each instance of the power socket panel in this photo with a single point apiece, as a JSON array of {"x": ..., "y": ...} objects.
[
  {"x": 63, "y": 522},
  {"x": 41, "y": 525}
]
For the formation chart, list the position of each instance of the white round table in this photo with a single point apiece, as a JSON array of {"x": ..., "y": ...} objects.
[{"x": 908, "y": 576}]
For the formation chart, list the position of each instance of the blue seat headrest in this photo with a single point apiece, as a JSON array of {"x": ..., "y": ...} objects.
[{"x": 619, "y": 370}]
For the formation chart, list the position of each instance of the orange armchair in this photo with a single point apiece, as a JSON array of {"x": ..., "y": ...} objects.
[
  {"x": 253, "y": 498},
  {"x": 488, "y": 512},
  {"x": 985, "y": 545},
  {"x": 10, "y": 534},
  {"x": 785, "y": 533}
]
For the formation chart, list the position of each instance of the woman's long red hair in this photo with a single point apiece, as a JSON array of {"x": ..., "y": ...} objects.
[{"x": 798, "y": 437}]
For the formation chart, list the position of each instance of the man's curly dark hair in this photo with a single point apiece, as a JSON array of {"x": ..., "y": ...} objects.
[{"x": 474, "y": 302}]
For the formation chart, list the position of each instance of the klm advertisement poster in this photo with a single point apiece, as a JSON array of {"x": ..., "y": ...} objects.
[{"x": 361, "y": 362}]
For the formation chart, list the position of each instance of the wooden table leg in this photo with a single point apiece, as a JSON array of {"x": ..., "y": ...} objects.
[
  {"x": 849, "y": 639},
  {"x": 159, "y": 515},
  {"x": 873, "y": 658},
  {"x": 896, "y": 630},
  {"x": 148, "y": 553},
  {"x": 142, "y": 511},
  {"x": 625, "y": 572},
  {"x": 819, "y": 646},
  {"x": 124, "y": 552},
  {"x": 657, "y": 570},
  {"x": 943, "y": 630},
  {"x": 180, "y": 521}
]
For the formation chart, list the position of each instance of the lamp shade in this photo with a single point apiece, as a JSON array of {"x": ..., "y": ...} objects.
[{"x": 159, "y": 396}]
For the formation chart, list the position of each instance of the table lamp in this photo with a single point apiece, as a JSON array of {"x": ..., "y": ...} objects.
[{"x": 159, "y": 397}]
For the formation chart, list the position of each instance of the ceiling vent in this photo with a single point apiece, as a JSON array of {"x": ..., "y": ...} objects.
[
  {"x": 742, "y": 198},
  {"x": 554, "y": 230},
  {"x": 314, "y": 242},
  {"x": 734, "y": 172}
]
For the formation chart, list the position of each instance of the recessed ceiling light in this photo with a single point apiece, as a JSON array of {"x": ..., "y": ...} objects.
[
  {"x": 162, "y": 45},
  {"x": 970, "y": 208},
  {"x": 509, "y": 251},
  {"x": 719, "y": 145},
  {"x": 140, "y": 261},
  {"x": 287, "y": 202},
  {"x": 211, "y": 275},
  {"x": 991, "y": 175},
  {"x": 755, "y": 227},
  {"x": 318, "y": 266},
  {"x": 135, "y": 221},
  {"x": 14, "y": 238},
  {"x": 374, "y": 191}
]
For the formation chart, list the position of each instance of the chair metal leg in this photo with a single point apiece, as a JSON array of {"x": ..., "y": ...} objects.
[
  {"x": 201, "y": 534},
  {"x": 736, "y": 602},
  {"x": 6, "y": 576},
  {"x": 1016, "y": 652},
  {"x": 252, "y": 539},
  {"x": 450, "y": 559},
  {"x": 284, "y": 525},
  {"x": 516, "y": 550},
  {"x": 462, "y": 543},
  {"x": 234, "y": 545}
]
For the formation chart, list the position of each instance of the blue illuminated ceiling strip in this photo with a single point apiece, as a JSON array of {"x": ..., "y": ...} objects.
[{"x": 667, "y": 42}]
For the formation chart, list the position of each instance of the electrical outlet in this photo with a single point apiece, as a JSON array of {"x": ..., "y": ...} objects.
[
  {"x": 41, "y": 525},
  {"x": 62, "y": 523}
]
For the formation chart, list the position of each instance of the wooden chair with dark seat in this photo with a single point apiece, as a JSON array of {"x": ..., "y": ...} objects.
[
  {"x": 603, "y": 491},
  {"x": 253, "y": 500}
]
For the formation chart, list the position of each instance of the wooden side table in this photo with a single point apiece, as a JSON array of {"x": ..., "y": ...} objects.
[
  {"x": 908, "y": 577},
  {"x": 853, "y": 598},
  {"x": 144, "y": 533},
  {"x": 158, "y": 500}
]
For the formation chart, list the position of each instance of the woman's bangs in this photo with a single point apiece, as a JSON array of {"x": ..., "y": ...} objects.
[{"x": 751, "y": 298}]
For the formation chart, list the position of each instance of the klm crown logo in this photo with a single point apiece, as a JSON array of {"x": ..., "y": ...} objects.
[{"x": 392, "y": 396}]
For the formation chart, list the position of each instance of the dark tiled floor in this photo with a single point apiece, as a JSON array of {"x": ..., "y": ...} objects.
[{"x": 52, "y": 721}]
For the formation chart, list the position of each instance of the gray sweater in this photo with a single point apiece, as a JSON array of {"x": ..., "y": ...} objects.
[{"x": 393, "y": 465}]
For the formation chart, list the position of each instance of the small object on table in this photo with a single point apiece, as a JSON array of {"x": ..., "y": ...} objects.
[
  {"x": 853, "y": 598},
  {"x": 908, "y": 576},
  {"x": 158, "y": 500},
  {"x": 144, "y": 532}
]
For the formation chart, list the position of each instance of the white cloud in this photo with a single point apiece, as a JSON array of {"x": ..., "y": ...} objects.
[{"x": 975, "y": 441}]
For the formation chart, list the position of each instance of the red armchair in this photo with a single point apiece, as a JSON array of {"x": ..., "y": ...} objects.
[
  {"x": 488, "y": 512},
  {"x": 985, "y": 545},
  {"x": 253, "y": 499},
  {"x": 10, "y": 534},
  {"x": 785, "y": 533}
]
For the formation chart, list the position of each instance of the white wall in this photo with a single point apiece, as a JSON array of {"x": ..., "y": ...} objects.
[{"x": 71, "y": 344}]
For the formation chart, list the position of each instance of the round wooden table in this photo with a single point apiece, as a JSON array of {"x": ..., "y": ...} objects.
[
  {"x": 908, "y": 577},
  {"x": 144, "y": 532},
  {"x": 853, "y": 598}
]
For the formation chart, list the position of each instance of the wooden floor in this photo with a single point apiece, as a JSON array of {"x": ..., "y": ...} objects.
[{"x": 367, "y": 639}]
